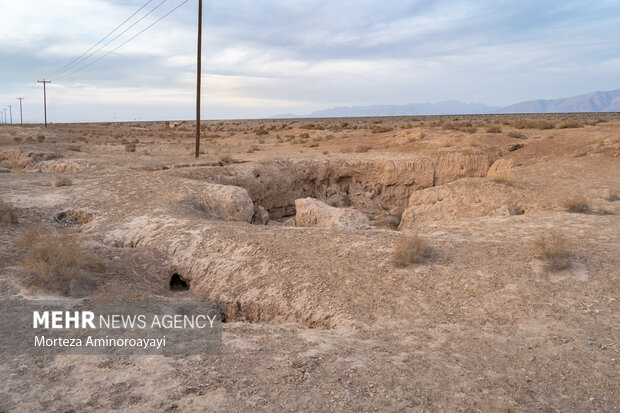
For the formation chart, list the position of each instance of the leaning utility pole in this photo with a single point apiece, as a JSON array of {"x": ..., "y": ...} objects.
[
  {"x": 44, "y": 98},
  {"x": 11, "y": 113},
  {"x": 21, "y": 116},
  {"x": 198, "y": 76}
]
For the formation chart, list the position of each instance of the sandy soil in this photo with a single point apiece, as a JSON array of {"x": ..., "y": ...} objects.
[{"x": 320, "y": 318}]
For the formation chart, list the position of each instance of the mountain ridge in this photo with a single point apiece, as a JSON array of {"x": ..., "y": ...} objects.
[{"x": 599, "y": 101}]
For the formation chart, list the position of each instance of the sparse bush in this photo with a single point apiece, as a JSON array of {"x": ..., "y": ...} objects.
[
  {"x": 554, "y": 250},
  {"x": 613, "y": 197},
  {"x": 516, "y": 135},
  {"x": 464, "y": 126},
  {"x": 494, "y": 129},
  {"x": 56, "y": 262},
  {"x": 362, "y": 148},
  {"x": 63, "y": 181},
  {"x": 8, "y": 215},
  {"x": 17, "y": 139},
  {"x": 506, "y": 178},
  {"x": 305, "y": 135},
  {"x": 40, "y": 138},
  {"x": 410, "y": 250},
  {"x": 130, "y": 147},
  {"x": 569, "y": 124},
  {"x": 381, "y": 129},
  {"x": 578, "y": 206},
  {"x": 75, "y": 148},
  {"x": 533, "y": 124}
]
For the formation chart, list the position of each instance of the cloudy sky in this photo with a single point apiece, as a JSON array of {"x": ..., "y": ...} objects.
[{"x": 267, "y": 57}]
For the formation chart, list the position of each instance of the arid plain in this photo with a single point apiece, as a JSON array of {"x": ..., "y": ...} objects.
[{"x": 442, "y": 263}]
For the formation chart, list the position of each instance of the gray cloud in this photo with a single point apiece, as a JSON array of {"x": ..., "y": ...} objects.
[{"x": 266, "y": 57}]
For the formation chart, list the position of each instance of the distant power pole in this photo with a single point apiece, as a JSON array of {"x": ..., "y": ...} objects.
[
  {"x": 11, "y": 113},
  {"x": 198, "y": 76},
  {"x": 21, "y": 115},
  {"x": 44, "y": 98}
]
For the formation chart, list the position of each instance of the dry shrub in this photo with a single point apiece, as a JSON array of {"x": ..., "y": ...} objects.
[
  {"x": 578, "y": 205},
  {"x": 8, "y": 215},
  {"x": 363, "y": 148},
  {"x": 381, "y": 129},
  {"x": 613, "y": 197},
  {"x": 464, "y": 126},
  {"x": 130, "y": 147},
  {"x": 533, "y": 124},
  {"x": 494, "y": 129},
  {"x": 554, "y": 250},
  {"x": 63, "y": 181},
  {"x": 57, "y": 263},
  {"x": 516, "y": 135},
  {"x": 40, "y": 138},
  {"x": 569, "y": 124},
  {"x": 410, "y": 250},
  {"x": 506, "y": 178}
]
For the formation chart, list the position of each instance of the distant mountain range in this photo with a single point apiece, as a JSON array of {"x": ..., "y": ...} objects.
[{"x": 591, "y": 102}]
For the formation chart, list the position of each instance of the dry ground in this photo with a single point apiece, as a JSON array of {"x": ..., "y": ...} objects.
[{"x": 513, "y": 306}]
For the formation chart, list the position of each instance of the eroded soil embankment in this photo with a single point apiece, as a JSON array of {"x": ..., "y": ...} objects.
[{"x": 372, "y": 186}]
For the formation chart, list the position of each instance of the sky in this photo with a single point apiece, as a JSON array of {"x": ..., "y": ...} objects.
[{"x": 268, "y": 57}]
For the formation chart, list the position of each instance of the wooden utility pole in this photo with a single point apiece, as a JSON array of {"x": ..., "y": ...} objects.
[
  {"x": 11, "y": 113},
  {"x": 21, "y": 115},
  {"x": 198, "y": 78},
  {"x": 44, "y": 98}
]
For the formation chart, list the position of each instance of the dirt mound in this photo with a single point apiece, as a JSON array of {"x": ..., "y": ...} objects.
[{"x": 314, "y": 213}]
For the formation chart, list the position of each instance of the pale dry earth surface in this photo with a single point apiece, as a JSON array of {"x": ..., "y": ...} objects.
[{"x": 319, "y": 315}]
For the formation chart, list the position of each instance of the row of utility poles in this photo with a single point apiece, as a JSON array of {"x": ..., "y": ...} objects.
[
  {"x": 21, "y": 110},
  {"x": 199, "y": 75},
  {"x": 10, "y": 119}
]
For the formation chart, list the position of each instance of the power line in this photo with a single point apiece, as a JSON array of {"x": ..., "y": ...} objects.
[
  {"x": 124, "y": 43},
  {"x": 99, "y": 42},
  {"x": 122, "y": 33}
]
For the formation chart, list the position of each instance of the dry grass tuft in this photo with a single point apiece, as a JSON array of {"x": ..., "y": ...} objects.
[
  {"x": 569, "y": 124},
  {"x": 494, "y": 129},
  {"x": 57, "y": 263},
  {"x": 554, "y": 250},
  {"x": 516, "y": 135},
  {"x": 410, "y": 250},
  {"x": 363, "y": 148},
  {"x": 506, "y": 178},
  {"x": 8, "y": 215},
  {"x": 578, "y": 206},
  {"x": 613, "y": 197},
  {"x": 381, "y": 129},
  {"x": 63, "y": 181},
  {"x": 533, "y": 124}
]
